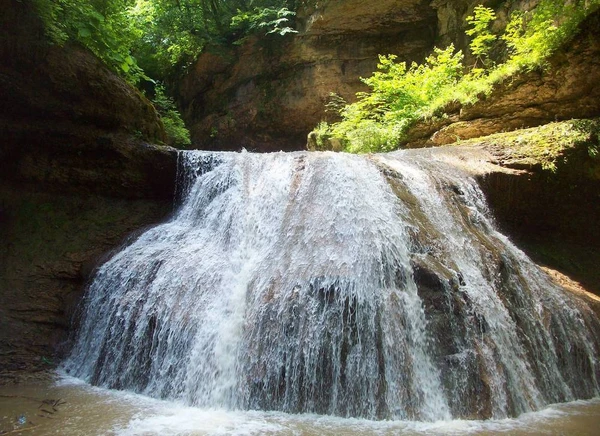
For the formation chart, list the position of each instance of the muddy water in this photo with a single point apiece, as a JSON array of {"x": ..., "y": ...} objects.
[{"x": 68, "y": 406}]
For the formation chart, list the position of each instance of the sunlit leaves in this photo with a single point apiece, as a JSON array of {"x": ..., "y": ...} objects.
[
  {"x": 483, "y": 38},
  {"x": 102, "y": 25},
  {"x": 399, "y": 96},
  {"x": 159, "y": 35},
  {"x": 177, "y": 134},
  {"x": 175, "y": 32}
]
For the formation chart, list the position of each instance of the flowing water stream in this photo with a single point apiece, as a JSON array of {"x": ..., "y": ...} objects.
[
  {"x": 319, "y": 283},
  {"x": 91, "y": 411}
]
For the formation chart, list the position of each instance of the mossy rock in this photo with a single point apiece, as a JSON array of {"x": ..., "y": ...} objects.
[{"x": 569, "y": 146}]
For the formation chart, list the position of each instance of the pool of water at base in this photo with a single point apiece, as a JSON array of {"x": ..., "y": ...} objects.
[{"x": 67, "y": 406}]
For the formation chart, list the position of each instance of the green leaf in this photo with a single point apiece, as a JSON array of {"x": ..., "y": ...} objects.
[
  {"x": 96, "y": 15},
  {"x": 84, "y": 32}
]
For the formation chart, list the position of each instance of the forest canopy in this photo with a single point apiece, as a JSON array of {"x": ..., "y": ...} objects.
[{"x": 143, "y": 39}]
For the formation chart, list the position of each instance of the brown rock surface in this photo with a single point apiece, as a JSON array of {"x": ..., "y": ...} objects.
[
  {"x": 568, "y": 88},
  {"x": 553, "y": 215},
  {"x": 67, "y": 119},
  {"x": 268, "y": 94},
  {"x": 50, "y": 246},
  {"x": 77, "y": 175}
]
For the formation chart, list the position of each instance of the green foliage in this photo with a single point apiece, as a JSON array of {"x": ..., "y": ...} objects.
[
  {"x": 483, "y": 38},
  {"x": 547, "y": 146},
  {"x": 101, "y": 25},
  {"x": 402, "y": 92},
  {"x": 177, "y": 134},
  {"x": 399, "y": 96},
  {"x": 146, "y": 41},
  {"x": 175, "y": 32},
  {"x": 322, "y": 135},
  {"x": 269, "y": 20},
  {"x": 156, "y": 37}
]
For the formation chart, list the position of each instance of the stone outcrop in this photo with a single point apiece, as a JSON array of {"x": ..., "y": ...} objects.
[
  {"x": 78, "y": 173},
  {"x": 568, "y": 88},
  {"x": 268, "y": 93},
  {"x": 62, "y": 104},
  {"x": 552, "y": 215}
]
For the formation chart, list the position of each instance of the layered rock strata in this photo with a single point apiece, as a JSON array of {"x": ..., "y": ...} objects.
[
  {"x": 268, "y": 93},
  {"x": 77, "y": 175}
]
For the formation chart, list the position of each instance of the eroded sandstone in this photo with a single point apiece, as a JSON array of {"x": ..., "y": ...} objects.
[{"x": 78, "y": 173}]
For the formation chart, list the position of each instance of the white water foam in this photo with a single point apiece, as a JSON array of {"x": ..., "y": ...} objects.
[{"x": 372, "y": 287}]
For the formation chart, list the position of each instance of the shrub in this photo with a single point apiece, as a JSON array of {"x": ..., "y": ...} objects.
[
  {"x": 177, "y": 134},
  {"x": 399, "y": 96},
  {"x": 483, "y": 38}
]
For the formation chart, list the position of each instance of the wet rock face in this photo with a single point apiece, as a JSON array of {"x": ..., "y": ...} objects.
[
  {"x": 50, "y": 245},
  {"x": 77, "y": 174},
  {"x": 362, "y": 296},
  {"x": 553, "y": 217}
]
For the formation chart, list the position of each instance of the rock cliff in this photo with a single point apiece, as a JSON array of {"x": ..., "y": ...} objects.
[
  {"x": 78, "y": 173},
  {"x": 551, "y": 213},
  {"x": 267, "y": 94},
  {"x": 569, "y": 87}
]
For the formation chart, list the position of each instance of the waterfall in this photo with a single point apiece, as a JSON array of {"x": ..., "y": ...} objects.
[{"x": 364, "y": 286}]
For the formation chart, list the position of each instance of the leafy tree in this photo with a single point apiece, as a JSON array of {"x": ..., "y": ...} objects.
[
  {"x": 175, "y": 31},
  {"x": 483, "y": 38},
  {"x": 139, "y": 38},
  {"x": 270, "y": 20}
]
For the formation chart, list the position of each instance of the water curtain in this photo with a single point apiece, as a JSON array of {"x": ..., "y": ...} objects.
[{"x": 357, "y": 286}]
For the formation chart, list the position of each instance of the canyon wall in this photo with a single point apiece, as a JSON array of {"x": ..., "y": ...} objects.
[
  {"x": 78, "y": 173},
  {"x": 268, "y": 93}
]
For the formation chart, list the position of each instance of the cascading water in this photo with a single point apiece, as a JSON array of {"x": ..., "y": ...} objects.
[{"x": 358, "y": 286}]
